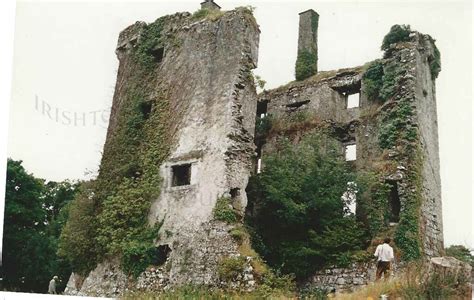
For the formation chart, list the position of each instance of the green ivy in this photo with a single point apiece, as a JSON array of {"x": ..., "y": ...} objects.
[
  {"x": 150, "y": 40},
  {"x": 373, "y": 195},
  {"x": 128, "y": 181},
  {"x": 306, "y": 65},
  {"x": 314, "y": 22},
  {"x": 372, "y": 80},
  {"x": 435, "y": 61},
  {"x": 396, "y": 125}
]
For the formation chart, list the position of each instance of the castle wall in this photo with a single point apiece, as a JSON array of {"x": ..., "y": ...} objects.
[
  {"x": 397, "y": 139},
  {"x": 204, "y": 75},
  {"x": 427, "y": 120}
]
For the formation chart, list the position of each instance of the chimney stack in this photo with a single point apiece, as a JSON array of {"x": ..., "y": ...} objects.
[{"x": 210, "y": 4}]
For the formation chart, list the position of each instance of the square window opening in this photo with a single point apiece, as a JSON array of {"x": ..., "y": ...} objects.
[
  {"x": 181, "y": 175},
  {"x": 350, "y": 152},
  {"x": 353, "y": 100}
]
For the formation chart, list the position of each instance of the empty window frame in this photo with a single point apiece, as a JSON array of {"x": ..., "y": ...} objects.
[
  {"x": 350, "y": 152},
  {"x": 181, "y": 175},
  {"x": 352, "y": 100},
  {"x": 350, "y": 198},
  {"x": 262, "y": 109}
]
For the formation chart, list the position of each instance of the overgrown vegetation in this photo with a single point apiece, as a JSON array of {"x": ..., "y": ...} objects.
[
  {"x": 416, "y": 282},
  {"x": 150, "y": 40},
  {"x": 435, "y": 61},
  {"x": 373, "y": 201},
  {"x": 301, "y": 223},
  {"x": 223, "y": 211},
  {"x": 372, "y": 80},
  {"x": 306, "y": 65},
  {"x": 209, "y": 14},
  {"x": 259, "y": 81},
  {"x": 397, "y": 33},
  {"x": 110, "y": 217},
  {"x": 231, "y": 267},
  {"x": 35, "y": 213},
  {"x": 460, "y": 252}
]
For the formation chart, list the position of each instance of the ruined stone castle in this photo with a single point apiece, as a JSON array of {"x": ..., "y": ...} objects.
[{"x": 201, "y": 86}]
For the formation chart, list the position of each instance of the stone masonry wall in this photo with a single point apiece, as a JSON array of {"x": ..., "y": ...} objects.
[
  {"x": 205, "y": 74},
  {"x": 322, "y": 98}
]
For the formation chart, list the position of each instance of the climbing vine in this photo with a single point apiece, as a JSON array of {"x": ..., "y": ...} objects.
[
  {"x": 306, "y": 65},
  {"x": 129, "y": 178}
]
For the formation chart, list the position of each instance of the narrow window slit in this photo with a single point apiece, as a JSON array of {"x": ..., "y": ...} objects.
[{"x": 297, "y": 104}]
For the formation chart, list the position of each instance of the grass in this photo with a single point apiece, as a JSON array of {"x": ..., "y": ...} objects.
[
  {"x": 320, "y": 76},
  {"x": 415, "y": 283}
]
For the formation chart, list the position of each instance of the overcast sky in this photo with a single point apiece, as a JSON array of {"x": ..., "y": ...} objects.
[{"x": 65, "y": 69}]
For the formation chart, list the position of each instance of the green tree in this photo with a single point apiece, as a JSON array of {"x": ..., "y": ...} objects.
[
  {"x": 299, "y": 217},
  {"x": 34, "y": 212}
]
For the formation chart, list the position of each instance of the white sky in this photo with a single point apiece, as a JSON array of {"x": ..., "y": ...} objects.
[{"x": 64, "y": 58}]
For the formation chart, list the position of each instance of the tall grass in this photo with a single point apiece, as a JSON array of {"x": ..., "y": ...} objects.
[{"x": 416, "y": 282}]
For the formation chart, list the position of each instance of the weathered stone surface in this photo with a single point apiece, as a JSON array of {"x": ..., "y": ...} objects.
[
  {"x": 343, "y": 279},
  {"x": 447, "y": 265},
  {"x": 205, "y": 73},
  {"x": 322, "y": 100}
]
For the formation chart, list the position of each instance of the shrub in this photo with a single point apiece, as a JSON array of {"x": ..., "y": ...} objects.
[
  {"x": 223, "y": 211},
  {"x": 397, "y": 33},
  {"x": 231, "y": 267},
  {"x": 260, "y": 82},
  {"x": 306, "y": 65}
]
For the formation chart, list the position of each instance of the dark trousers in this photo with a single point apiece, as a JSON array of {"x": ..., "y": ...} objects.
[{"x": 383, "y": 267}]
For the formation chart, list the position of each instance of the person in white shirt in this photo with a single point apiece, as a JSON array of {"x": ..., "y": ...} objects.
[{"x": 384, "y": 254}]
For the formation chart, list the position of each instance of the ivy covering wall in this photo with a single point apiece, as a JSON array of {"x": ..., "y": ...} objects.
[{"x": 110, "y": 216}]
